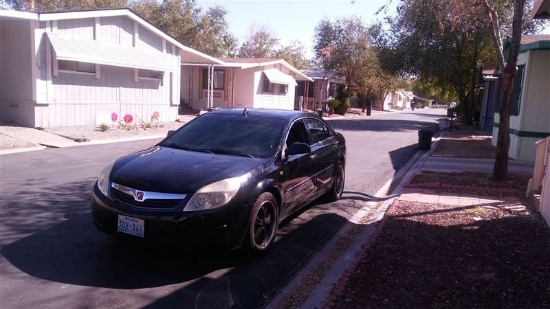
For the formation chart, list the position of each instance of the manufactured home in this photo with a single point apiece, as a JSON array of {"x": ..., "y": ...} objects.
[{"x": 80, "y": 68}]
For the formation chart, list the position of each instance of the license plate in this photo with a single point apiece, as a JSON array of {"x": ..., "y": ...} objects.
[{"x": 132, "y": 226}]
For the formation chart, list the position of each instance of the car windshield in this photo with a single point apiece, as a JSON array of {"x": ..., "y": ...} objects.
[{"x": 234, "y": 135}]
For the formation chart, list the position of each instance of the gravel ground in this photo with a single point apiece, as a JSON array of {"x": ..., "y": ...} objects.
[
  {"x": 93, "y": 133},
  {"x": 440, "y": 256},
  {"x": 7, "y": 142}
]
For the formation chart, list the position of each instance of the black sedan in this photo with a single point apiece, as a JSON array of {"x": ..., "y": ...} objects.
[{"x": 228, "y": 177}]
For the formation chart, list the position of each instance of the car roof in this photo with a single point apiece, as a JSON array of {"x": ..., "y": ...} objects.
[{"x": 265, "y": 113}]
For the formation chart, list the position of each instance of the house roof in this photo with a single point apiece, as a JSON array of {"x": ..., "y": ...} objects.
[
  {"x": 533, "y": 42},
  {"x": 331, "y": 75},
  {"x": 541, "y": 10},
  {"x": 528, "y": 39},
  {"x": 246, "y": 63},
  {"x": 187, "y": 54}
]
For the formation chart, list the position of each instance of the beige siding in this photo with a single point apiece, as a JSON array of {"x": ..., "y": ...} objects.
[
  {"x": 148, "y": 40},
  {"x": 273, "y": 100},
  {"x": 78, "y": 28},
  {"x": 16, "y": 83},
  {"x": 116, "y": 30},
  {"x": 535, "y": 105},
  {"x": 536, "y": 94}
]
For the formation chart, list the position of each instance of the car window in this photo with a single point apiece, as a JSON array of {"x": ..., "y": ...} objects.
[
  {"x": 318, "y": 131},
  {"x": 252, "y": 136},
  {"x": 297, "y": 134}
]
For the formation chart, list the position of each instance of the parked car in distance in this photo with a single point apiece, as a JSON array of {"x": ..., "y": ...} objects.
[{"x": 228, "y": 178}]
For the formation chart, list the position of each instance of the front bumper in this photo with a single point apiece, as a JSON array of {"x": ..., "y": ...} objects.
[{"x": 223, "y": 228}]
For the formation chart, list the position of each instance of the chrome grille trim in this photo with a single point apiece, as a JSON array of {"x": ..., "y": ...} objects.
[{"x": 145, "y": 199}]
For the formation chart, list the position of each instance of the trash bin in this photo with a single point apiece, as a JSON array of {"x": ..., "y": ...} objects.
[
  {"x": 425, "y": 139},
  {"x": 320, "y": 113}
]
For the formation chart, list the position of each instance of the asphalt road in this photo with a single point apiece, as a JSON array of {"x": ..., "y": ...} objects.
[{"x": 51, "y": 256}]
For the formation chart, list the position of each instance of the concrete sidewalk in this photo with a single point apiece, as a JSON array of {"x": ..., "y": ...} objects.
[{"x": 15, "y": 139}]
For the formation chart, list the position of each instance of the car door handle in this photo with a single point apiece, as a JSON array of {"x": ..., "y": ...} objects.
[{"x": 313, "y": 156}]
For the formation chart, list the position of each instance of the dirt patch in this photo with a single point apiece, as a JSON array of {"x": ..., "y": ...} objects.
[
  {"x": 465, "y": 141},
  {"x": 435, "y": 255},
  {"x": 475, "y": 183}
]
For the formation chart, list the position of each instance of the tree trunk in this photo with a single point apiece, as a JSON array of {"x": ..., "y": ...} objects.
[{"x": 500, "y": 170}]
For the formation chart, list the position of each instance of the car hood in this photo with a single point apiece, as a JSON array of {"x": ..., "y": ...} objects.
[{"x": 168, "y": 170}]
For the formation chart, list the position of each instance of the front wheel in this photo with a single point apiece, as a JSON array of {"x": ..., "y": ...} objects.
[
  {"x": 262, "y": 225},
  {"x": 338, "y": 184}
]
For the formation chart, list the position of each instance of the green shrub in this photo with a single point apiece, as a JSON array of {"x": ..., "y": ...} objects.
[
  {"x": 104, "y": 127},
  {"x": 333, "y": 104},
  {"x": 343, "y": 108}
]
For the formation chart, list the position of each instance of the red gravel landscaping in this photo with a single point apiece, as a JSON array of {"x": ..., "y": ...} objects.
[{"x": 439, "y": 256}]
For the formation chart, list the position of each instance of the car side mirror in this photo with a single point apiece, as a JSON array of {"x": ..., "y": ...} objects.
[
  {"x": 297, "y": 148},
  {"x": 170, "y": 132}
]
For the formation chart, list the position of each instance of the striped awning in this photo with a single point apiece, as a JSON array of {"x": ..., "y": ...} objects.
[
  {"x": 277, "y": 77},
  {"x": 91, "y": 51}
]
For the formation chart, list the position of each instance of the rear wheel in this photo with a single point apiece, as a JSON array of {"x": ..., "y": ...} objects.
[
  {"x": 338, "y": 185},
  {"x": 262, "y": 225}
]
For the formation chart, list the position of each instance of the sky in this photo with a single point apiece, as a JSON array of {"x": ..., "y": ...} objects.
[{"x": 290, "y": 20}]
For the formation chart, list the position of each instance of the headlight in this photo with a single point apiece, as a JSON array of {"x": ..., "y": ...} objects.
[
  {"x": 103, "y": 182},
  {"x": 215, "y": 194}
]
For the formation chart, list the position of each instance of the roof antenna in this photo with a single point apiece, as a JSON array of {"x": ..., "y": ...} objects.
[{"x": 245, "y": 112}]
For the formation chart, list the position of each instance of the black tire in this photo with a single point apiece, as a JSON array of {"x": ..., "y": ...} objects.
[
  {"x": 263, "y": 223},
  {"x": 337, "y": 188}
]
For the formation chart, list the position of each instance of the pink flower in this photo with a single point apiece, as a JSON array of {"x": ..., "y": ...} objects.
[
  {"x": 114, "y": 117},
  {"x": 128, "y": 118},
  {"x": 155, "y": 116}
]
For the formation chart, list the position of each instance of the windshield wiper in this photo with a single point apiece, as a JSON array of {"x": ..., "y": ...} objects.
[
  {"x": 231, "y": 152},
  {"x": 181, "y": 147}
]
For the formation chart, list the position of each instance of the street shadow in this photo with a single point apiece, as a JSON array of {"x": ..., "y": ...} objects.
[
  {"x": 399, "y": 157},
  {"x": 385, "y": 125},
  {"x": 65, "y": 247}
]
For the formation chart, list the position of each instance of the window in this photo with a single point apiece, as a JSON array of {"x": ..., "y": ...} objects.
[
  {"x": 297, "y": 134},
  {"x": 283, "y": 89},
  {"x": 219, "y": 79},
  {"x": 150, "y": 74},
  {"x": 318, "y": 130},
  {"x": 76, "y": 66},
  {"x": 267, "y": 86},
  {"x": 515, "y": 104}
]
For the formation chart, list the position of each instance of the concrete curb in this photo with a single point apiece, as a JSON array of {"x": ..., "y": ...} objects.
[
  {"x": 77, "y": 144},
  {"x": 20, "y": 150}
]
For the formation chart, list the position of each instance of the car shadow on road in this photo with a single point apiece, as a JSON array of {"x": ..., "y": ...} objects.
[{"x": 68, "y": 249}]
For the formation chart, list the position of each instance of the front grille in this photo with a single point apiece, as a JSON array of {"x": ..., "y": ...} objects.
[{"x": 149, "y": 203}]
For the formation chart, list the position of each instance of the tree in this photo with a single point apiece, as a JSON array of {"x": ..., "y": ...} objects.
[
  {"x": 294, "y": 54},
  {"x": 260, "y": 43},
  {"x": 477, "y": 20},
  {"x": 345, "y": 46},
  {"x": 63, "y": 5},
  {"x": 182, "y": 19}
]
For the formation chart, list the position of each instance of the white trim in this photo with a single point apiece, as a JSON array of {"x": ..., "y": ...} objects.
[
  {"x": 49, "y": 85},
  {"x": 67, "y": 48},
  {"x": 97, "y": 71},
  {"x": 109, "y": 13},
  {"x": 247, "y": 65},
  {"x": 277, "y": 77},
  {"x": 77, "y": 72},
  {"x": 34, "y": 72},
  {"x": 10, "y": 14}
]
